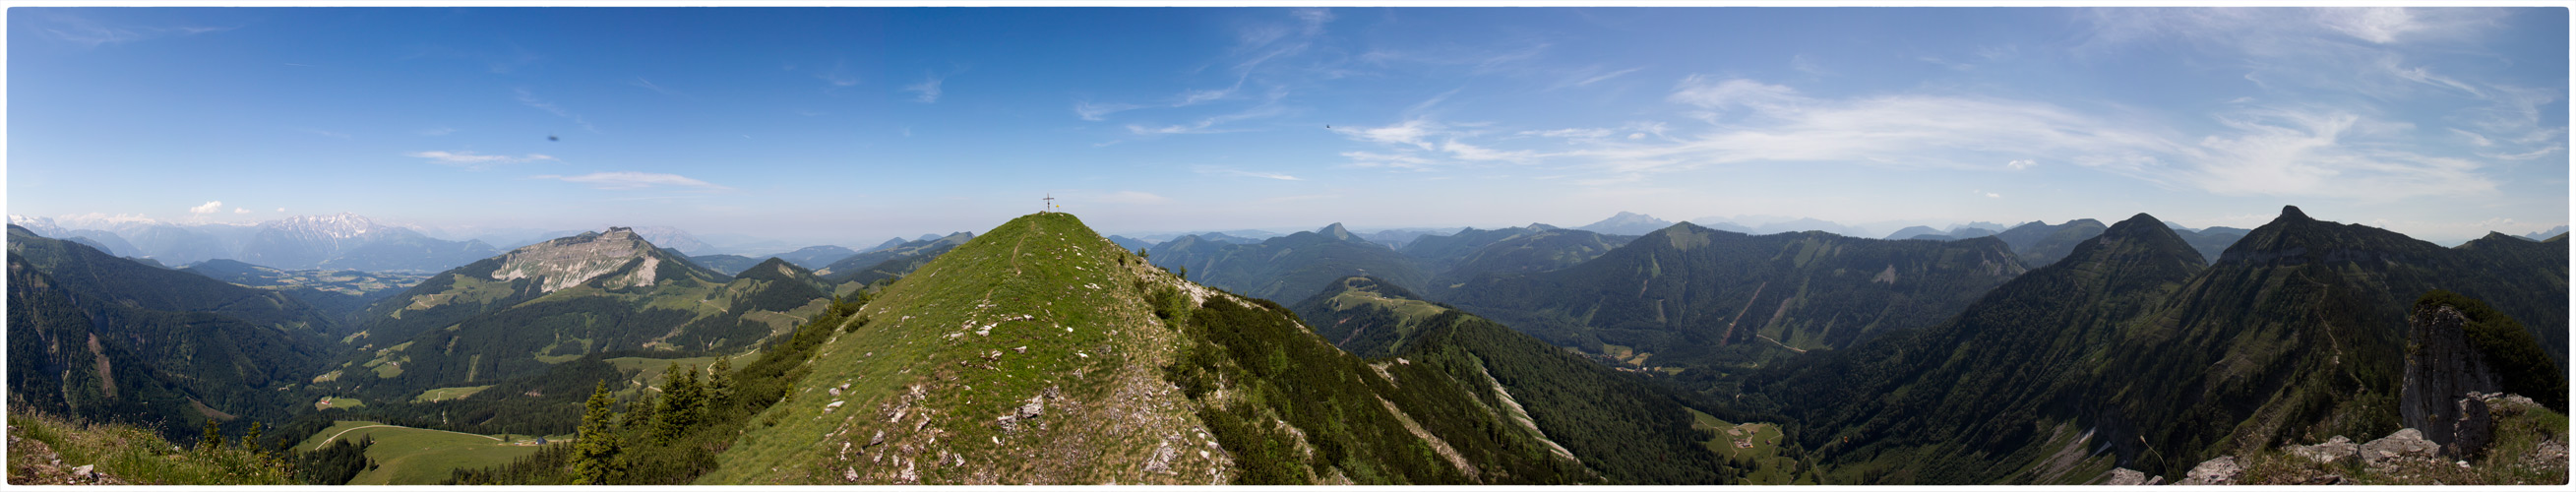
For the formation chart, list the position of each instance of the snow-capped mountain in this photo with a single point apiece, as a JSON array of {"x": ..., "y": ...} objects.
[{"x": 352, "y": 241}]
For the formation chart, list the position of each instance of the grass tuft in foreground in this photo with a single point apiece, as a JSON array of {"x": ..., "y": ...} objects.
[{"x": 130, "y": 454}]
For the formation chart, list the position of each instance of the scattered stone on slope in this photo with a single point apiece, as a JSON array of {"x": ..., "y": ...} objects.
[
  {"x": 2124, "y": 476},
  {"x": 32, "y": 462},
  {"x": 2336, "y": 449},
  {"x": 2401, "y": 446},
  {"x": 2217, "y": 471}
]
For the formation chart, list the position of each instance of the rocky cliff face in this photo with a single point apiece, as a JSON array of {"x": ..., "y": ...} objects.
[
  {"x": 2441, "y": 370},
  {"x": 571, "y": 261}
]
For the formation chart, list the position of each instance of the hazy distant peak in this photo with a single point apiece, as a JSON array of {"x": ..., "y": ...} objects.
[
  {"x": 1336, "y": 231},
  {"x": 1627, "y": 223}
]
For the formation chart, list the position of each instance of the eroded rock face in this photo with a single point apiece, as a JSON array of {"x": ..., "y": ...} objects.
[
  {"x": 2474, "y": 429},
  {"x": 2217, "y": 471},
  {"x": 2441, "y": 370}
]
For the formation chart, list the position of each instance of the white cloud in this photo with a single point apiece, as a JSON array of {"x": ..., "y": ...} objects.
[
  {"x": 281, "y": 209},
  {"x": 239, "y": 210},
  {"x": 1097, "y": 111},
  {"x": 1402, "y": 160},
  {"x": 928, "y": 90},
  {"x": 471, "y": 160},
  {"x": 208, "y": 208},
  {"x": 2378, "y": 25},
  {"x": 1467, "y": 152},
  {"x": 2291, "y": 151},
  {"x": 1698, "y": 90},
  {"x": 630, "y": 180},
  {"x": 1410, "y": 132}
]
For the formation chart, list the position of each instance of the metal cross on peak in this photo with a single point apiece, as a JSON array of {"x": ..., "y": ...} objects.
[{"x": 1050, "y": 205}]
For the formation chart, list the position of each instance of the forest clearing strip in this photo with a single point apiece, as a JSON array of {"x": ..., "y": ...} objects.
[{"x": 336, "y": 437}]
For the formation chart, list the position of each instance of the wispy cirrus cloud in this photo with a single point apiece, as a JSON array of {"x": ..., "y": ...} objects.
[
  {"x": 631, "y": 180},
  {"x": 471, "y": 160},
  {"x": 656, "y": 88},
  {"x": 1130, "y": 197},
  {"x": 2257, "y": 150},
  {"x": 89, "y": 32},
  {"x": 1239, "y": 172},
  {"x": 530, "y": 99},
  {"x": 928, "y": 90},
  {"x": 1254, "y": 60}
]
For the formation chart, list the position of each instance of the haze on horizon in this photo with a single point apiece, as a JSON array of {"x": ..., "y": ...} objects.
[{"x": 849, "y": 125}]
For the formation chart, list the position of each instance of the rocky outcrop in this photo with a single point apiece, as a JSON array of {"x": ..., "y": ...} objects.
[
  {"x": 2442, "y": 370},
  {"x": 566, "y": 262},
  {"x": 2403, "y": 445},
  {"x": 2217, "y": 471},
  {"x": 2333, "y": 450},
  {"x": 2124, "y": 476}
]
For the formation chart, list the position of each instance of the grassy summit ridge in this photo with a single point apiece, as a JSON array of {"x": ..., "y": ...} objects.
[{"x": 1040, "y": 352}]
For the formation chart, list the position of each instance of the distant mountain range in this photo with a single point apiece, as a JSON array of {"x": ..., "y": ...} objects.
[
  {"x": 888, "y": 262},
  {"x": 1689, "y": 298},
  {"x": 1287, "y": 267},
  {"x": 339, "y": 242},
  {"x": 518, "y": 313}
]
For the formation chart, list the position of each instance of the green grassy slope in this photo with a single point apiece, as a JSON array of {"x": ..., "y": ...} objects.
[
  {"x": 415, "y": 456},
  {"x": 1042, "y": 353},
  {"x": 1618, "y": 424}
]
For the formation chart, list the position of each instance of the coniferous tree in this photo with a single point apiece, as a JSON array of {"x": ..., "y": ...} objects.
[
  {"x": 639, "y": 413},
  {"x": 214, "y": 438},
  {"x": 683, "y": 401},
  {"x": 596, "y": 462},
  {"x": 251, "y": 441},
  {"x": 720, "y": 380}
]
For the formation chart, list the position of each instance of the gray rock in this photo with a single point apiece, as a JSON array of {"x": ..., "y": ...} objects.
[
  {"x": 2441, "y": 368},
  {"x": 2336, "y": 449},
  {"x": 85, "y": 472},
  {"x": 2405, "y": 444},
  {"x": 2159, "y": 480},
  {"x": 2124, "y": 476},
  {"x": 2471, "y": 433},
  {"x": 2217, "y": 471}
]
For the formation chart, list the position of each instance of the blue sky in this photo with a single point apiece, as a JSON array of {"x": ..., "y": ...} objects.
[{"x": 847, "y": 125}]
